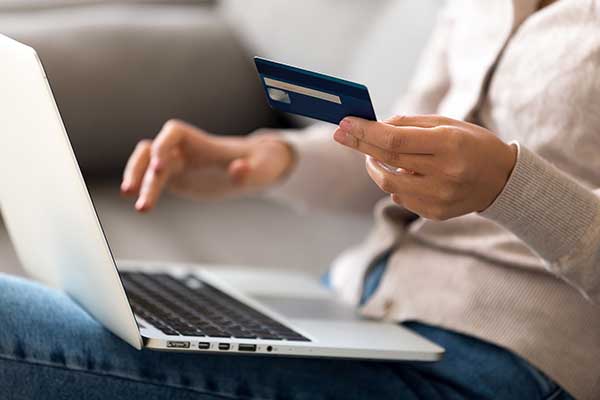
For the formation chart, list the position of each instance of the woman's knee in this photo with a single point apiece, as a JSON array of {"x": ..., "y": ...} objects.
[{"x": 35, "y": 319}]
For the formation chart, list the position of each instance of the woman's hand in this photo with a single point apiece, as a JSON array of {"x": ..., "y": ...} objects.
[
  {"x": 194, "y": 163},
  {"x": 448, "y": 167}
]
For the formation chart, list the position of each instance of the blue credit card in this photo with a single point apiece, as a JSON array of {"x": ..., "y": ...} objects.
[{"x": 311, "y": 94}]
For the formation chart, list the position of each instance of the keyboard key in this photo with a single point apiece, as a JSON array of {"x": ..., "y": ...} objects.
[
  {"x": 244, "y": 336},
  {"x": 168, "y": 331},
  {"x": 217, "y": 334},
  {"x": 191, "y": 332},
  {"x": 296, "y": 338},
  {"x": 269, "y": 337}
]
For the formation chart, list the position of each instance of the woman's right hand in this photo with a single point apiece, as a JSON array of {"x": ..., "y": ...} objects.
[{"x": 194, "y": 163}]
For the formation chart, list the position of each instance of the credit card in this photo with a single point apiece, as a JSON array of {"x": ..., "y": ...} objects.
[{"x": 312, "y": 94}]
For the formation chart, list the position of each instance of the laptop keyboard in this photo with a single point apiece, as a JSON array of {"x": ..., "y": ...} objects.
[{"x": 191, "y": 307}]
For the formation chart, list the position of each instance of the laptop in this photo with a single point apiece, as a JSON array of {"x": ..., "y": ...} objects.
[{"x": 59, "y": 239}]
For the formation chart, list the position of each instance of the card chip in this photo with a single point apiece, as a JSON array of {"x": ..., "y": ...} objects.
[{"x": 279, "y": 95}]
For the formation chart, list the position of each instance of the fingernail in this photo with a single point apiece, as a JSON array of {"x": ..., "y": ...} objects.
[
  {"x": 140, "y": 204},
  {"x": 346, "y": 125},
  {"x": 125, "y": 186},
  {"x": 341, "y": 136}
]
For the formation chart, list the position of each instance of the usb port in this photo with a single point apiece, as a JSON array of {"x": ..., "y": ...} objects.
[
  {"x": 204, "y": 345},
  {"x": 178, "y": 344},
  {"x": 224, "y": 346},
  {"x": 247, "y": 347}
]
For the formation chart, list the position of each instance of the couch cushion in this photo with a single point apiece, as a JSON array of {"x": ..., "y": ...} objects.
[{"x": 248, "y": 231}]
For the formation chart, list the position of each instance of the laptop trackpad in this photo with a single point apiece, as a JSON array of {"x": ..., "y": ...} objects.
[{"x": 306, "y": 308}]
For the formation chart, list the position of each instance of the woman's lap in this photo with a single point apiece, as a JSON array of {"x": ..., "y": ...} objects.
[{"x": 50, "y": 348}]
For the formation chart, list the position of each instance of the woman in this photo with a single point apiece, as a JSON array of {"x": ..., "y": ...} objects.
[{"x": 489, "y": 248}]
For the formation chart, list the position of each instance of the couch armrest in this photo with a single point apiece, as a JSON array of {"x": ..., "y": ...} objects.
[{"x": 119, "y": 71}]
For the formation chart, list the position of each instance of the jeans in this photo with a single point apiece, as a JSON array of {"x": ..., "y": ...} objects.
[{"x": 50, "y": 348}]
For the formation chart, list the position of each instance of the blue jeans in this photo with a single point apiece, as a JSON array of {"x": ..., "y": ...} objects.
[{"x": 52, "y": 349}]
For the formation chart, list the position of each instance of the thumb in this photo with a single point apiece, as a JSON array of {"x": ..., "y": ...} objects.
[
  {"x": 239, "y": 170},
  {"x": 266, "y": 163},
  {"x": 255, "y": 169}
]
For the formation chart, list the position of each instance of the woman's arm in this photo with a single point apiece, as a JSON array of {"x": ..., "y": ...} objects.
[{"x": 557, "y": 217}]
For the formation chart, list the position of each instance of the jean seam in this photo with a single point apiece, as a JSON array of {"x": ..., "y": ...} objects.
[
  {"x": 127, "y": 378},
  {"x": 555, "y": 394}
]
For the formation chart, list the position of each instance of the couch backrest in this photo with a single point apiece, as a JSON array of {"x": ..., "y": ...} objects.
[{"x": 119, "y": 72}]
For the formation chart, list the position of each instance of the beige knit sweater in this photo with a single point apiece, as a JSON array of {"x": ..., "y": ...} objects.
[{"x": 525, "y": 273}]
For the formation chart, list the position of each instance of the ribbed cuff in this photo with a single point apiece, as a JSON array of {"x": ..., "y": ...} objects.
[
  {"x": 327, "y": 175},
  {"x": 549, "y": 210}
]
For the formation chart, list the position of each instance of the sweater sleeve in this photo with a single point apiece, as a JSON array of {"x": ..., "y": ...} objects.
[
  {"x": 331, "y": 177},
  {"x": 557, "y": 217},
  {"x": 327, "y": 176}
]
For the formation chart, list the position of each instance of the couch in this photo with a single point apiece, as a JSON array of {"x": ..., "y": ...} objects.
[{"x": 119, "y": 69}]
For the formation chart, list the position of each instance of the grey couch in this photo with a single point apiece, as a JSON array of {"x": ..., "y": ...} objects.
[{"x": 119, "y": 69}]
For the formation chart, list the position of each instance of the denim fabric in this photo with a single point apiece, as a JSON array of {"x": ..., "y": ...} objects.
[
  {"x": 52, "y": 349},
  {"x": 374, "y": 276}
]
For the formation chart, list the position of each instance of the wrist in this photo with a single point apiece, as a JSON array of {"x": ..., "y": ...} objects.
[
  {"x": 513, "y": 152},
  {"x": 284, "y": 154},
  {"x": 507, "y": 163},
  {"x": 288, "y": 156}
]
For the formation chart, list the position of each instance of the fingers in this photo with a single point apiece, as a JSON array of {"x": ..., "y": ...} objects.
[
  {"x": 148, "y": 152},
  {"x": 410, "y": 191},
  {"x": 155, "y": 179},
  {"x": 419, "y": 163},
  {"x": 423, "y": 121},
  {"x": 205, "y": 149},
  {"x": 153, "y": 162},
  {"x": 394, "y": 183},
  {"x": 269, "y": 160},
  {"x": 170, "y": 136},
  {"x": 407, "y": 140},
  {"x": 238, "y": 170},
  {"x": 136, "y": 167}
]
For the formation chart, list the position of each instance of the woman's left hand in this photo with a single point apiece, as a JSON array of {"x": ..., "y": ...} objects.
[{"x": 448, "y": 167}]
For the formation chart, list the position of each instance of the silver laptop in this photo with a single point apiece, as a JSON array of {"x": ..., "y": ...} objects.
[{"x": 59, "y": 239}]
